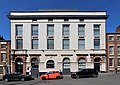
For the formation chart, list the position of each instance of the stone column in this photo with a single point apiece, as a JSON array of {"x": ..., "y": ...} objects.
[{"x": 24, "y": 65}]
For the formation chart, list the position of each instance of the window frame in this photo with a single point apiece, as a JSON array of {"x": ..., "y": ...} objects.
[
  {"x": 65, "y": 30},
  {"x": 3, "y": 58},
  {"x": 96, "y": 45},
  {"x": 49, "y": 64},
  {"x": 81, "y": 30},
  {"x": 50, "y": 30},
  {"x": 111, "y": 62},
  {"x": 3, "y": 46},
  {"x": 34, "y": 30},
  {"x": 81, "y": 63},
  {"x": 111, "y": 52},
  {"x": 111, "y": 38},
  {"x": 35, "y": 45},
  {"x": 19, "y": 31},
  {"x": 49, "y": 45},
  {"x": 96, "y": 30},
  {"x": 67, "y": 45},
  {"x": 81, "y": 45},
  {"x": 20, "y": 45}
]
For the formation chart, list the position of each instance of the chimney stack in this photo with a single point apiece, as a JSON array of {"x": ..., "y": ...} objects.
[{"x": 118, "y": 29}]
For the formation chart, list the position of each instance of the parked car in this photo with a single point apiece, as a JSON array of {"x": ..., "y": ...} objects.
[
  {"x": 85, "y": 73},
  {"x": 51, "y": 75},
  {"x": 16, "y": 76}
]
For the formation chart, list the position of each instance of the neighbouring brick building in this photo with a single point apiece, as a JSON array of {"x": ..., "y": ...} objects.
[
  {"x": 5, "y": 61},
  {"x": 113, "y": 50}
]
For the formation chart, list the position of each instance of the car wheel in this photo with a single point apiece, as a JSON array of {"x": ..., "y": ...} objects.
[
  {"x": 58, "y": 77},
  {"x": 77, "y": 76},
  {"x": 94, "y": 75},
  {"x": 22, "y": 79},
  {"x": 43, "y": 78},
  {"x": 6, "y": 79}
]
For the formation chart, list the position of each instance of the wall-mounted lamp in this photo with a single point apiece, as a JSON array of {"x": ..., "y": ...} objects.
[
  {"x": 42, "y": 50},
  {"x": 74, "y": 51}
]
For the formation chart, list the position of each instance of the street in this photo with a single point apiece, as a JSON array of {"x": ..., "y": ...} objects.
[{"x": 103, "y": 79}]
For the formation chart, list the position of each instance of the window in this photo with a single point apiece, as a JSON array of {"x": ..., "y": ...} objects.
[
  {"x": 111, "y": 62},
  {"x": 66, "y": 63},
  {"x": 50, "y": 44},
  {"x": 65, "y": 43},
  {"x": 19, "y": 30},
  {"x": 34, "y": 43},
  {"x": 19, "y": 44},
  {"x": 81, "y": 63},
  {"x": 65, "y": 30},
  {"x": 81, "y": 44},
  {"x": 50, "y": 64},
  {"x": 1, "y": 69},
  {"x": 50, "y": 30},
  {"x": 96, "y": 43},
  {"x": 96, "y": 30},
  {"x": 111, "y": 49},
  {"x": 111, "y": 37},
  {"x": 34, "y": 30},
  {"x": 118, "y": 48},
  {"x": 3, "y": 56},
  {"x": 3, "y": 46},
  {"x": 118, "y": 37},
  {"x": 118, "y": 62},
  {"x": 81, "y": 30}
]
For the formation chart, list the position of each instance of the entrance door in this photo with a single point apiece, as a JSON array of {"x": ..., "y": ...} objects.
[
  {"x": 97, "y": 64},
  {"x": 66, "y": 66},
  {"x": 34, "y": 68},
  {"x": 19, "y": 65}
]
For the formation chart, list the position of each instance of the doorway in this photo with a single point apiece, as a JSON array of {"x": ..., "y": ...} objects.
[
  {"x": 66, "y": 66},
  {"x": 19, "y": 65},
  {"x": 34, "y": 68},
  {"x": 97, "y": 64}
]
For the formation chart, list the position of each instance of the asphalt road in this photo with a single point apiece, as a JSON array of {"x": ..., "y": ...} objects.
[{"x": 103, "y": 79}]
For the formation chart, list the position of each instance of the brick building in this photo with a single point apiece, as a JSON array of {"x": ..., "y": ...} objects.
[
  {"x": 4, "y": 56},
  {"x": 113, "y": 50}
]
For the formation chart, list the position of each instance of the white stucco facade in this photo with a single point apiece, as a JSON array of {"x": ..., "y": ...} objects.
[{"x": 58, "y": 53}]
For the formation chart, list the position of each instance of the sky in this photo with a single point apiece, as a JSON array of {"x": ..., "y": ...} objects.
[{"x": 111, "y": 6}]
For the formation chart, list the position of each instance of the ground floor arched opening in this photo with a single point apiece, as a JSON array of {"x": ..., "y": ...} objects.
[
  {"x": 19, "y": 65},
  {"x": 34, "y": 68},
  {"x": 66, "y": 66},
  {"x": 97, "y": 64}
]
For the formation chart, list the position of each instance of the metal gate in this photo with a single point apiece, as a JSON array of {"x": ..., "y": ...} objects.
[
  {"x": 34, "y": 68},
  {"x": 97, "y": 64},
  {"x": 66, "y": 66}
]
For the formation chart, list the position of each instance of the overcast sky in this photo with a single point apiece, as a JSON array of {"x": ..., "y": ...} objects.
[{"x": 111, "y": 6}]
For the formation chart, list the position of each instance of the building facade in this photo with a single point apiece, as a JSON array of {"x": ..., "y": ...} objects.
[
  {"x": 113, "y": 51},
  {"x": 65, "y": 40},
  {"x": 4, "y": 57}
]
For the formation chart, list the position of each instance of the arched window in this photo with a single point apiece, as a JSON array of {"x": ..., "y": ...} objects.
[
  {"x": 66, "y": 63},
  {"x": 81, "y": 63},
  {"x": 50, "y": 64}
]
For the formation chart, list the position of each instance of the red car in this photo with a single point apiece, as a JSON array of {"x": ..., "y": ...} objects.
[{"x": 51, "y": 75}]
